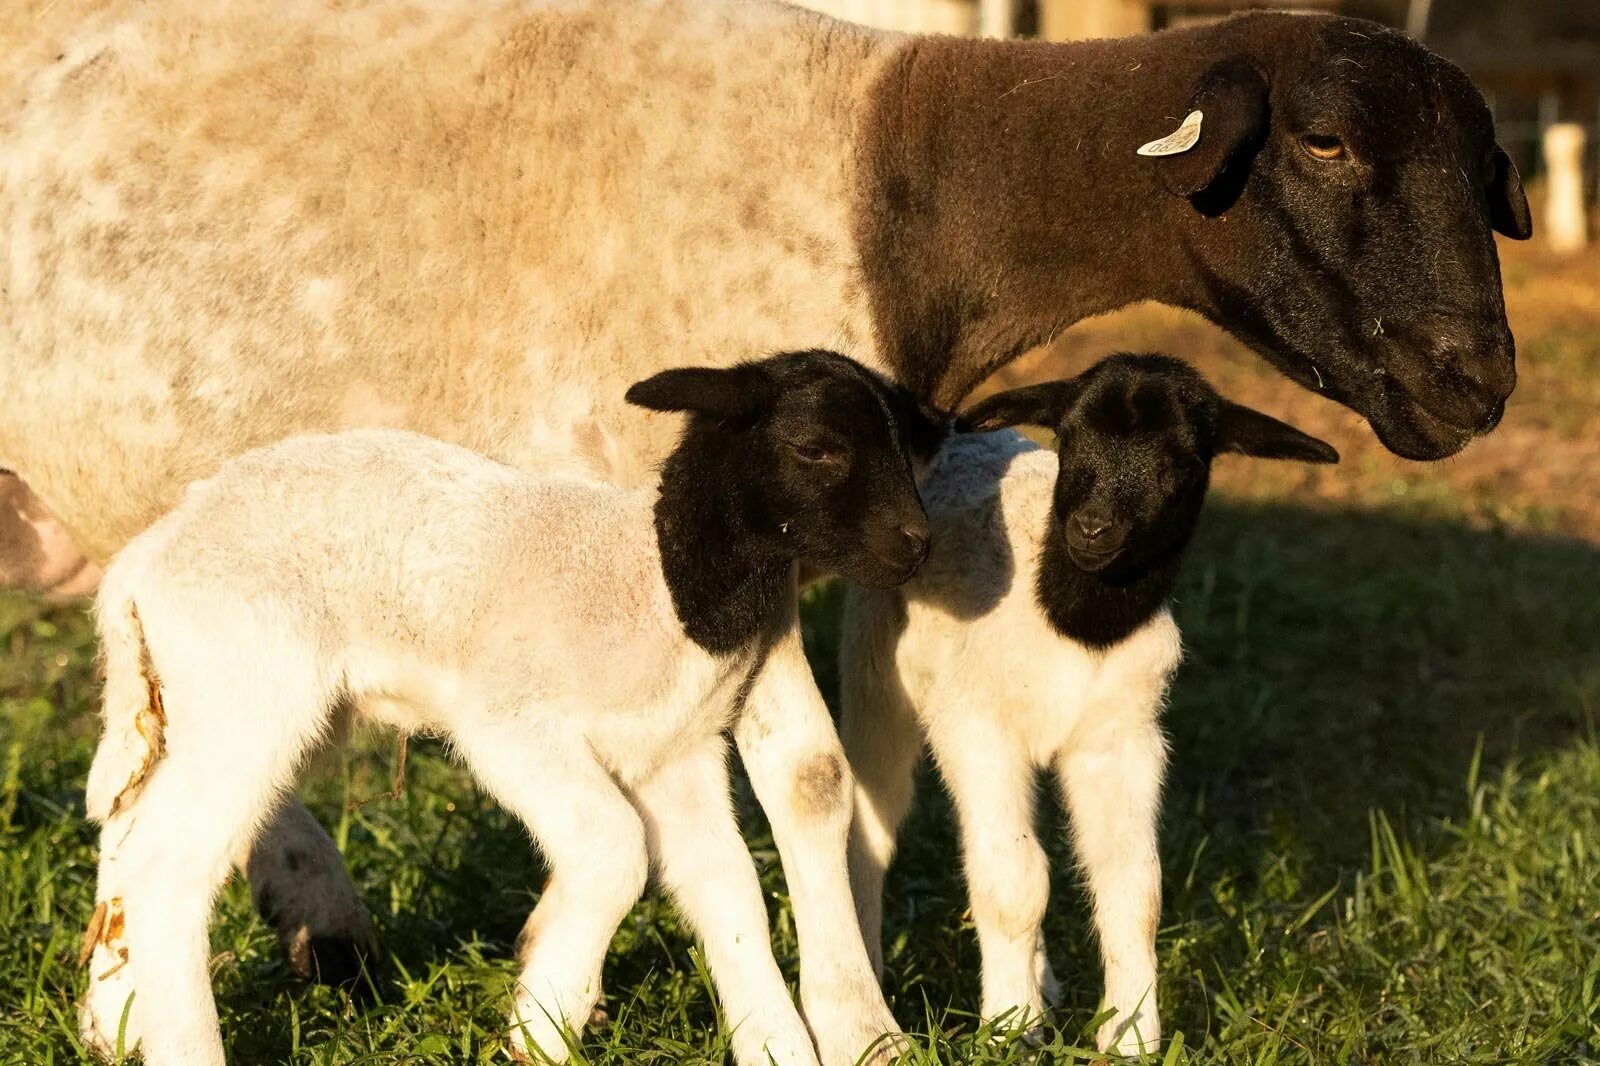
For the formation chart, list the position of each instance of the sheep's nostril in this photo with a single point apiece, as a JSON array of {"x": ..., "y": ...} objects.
[{"x": 1091, "y": 526}]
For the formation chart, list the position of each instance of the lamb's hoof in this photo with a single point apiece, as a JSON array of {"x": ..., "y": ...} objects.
[
  {"x": 1018, "y": 1030},
  {"x": 784, "y": 1046},
  {"x": 534, "y": 1037},
  {"x": 855, "y": 1031},
  {"x": 886, "y": 1049},
  {"x": 107, "y": 1023},
  {"x": 1135, "y": 1040},
  {"x": 98, "y": 1039},
  {"x": 340, "y": 961}
]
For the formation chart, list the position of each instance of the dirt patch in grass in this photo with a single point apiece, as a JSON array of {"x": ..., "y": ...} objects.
[{"x": 1539, "y": 471}]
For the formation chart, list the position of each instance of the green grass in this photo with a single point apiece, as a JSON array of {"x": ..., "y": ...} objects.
[{"x": 1381, "y": 838}]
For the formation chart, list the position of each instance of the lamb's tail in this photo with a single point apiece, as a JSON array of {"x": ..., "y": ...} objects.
[{"x": 135, "y": 719}]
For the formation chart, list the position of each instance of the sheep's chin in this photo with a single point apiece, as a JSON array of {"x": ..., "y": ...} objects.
[
  {"x": 1409, "y": 431},
  {"x": 876, "y": 573},
  {"x": 1093, "y": 562}
]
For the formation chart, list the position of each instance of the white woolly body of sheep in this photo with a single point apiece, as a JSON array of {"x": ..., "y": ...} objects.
[
  {"x": 410, "y": 211},
  {"x": 963, "y": 657},
  {"x": 382, "y": 574}
]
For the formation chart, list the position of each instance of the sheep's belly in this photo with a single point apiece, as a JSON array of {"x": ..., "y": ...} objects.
[
  {"x": 633, "y": 727},
  {"x": 694, "y": 704}
]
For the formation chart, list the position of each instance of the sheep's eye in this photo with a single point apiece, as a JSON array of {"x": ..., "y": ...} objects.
[
  {"x": 1322, "y": 146},
  {"x": 810, "y": 453}
]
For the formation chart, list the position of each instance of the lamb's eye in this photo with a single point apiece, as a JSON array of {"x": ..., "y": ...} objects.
[
  {"x": 810, "y": 453},
  {"x": 1322, "y": 146}
]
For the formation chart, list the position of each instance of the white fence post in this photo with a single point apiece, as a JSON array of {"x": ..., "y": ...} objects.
[
  {"x": 997, "y": 18},
  {"x": 1565, "y": 222}
]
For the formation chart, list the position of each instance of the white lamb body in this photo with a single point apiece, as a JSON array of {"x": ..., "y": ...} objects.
[
  {"x": 393, "y": 577},
  {"x": 964, "y": 658}
]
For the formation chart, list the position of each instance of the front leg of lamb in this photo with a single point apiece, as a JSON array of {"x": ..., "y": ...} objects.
[
  {"x": 598, "y": 866},
  {"x": 797, "y": 767},
  {"x": 1111, "y": 780},
  {"x": 704, "y": 863}
]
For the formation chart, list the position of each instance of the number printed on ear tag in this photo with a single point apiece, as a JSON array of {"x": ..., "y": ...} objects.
[{"x": 1179, "y": 140}]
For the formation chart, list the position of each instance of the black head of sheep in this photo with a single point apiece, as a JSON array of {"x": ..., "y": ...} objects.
[
  {"x": 1136, "y": 435},
  {"x": 805, "y": 456},
  {"x": 1327, "y": 192}
]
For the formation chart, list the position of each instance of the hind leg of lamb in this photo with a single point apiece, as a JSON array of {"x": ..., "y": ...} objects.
[{"x": 297, "y": 875}]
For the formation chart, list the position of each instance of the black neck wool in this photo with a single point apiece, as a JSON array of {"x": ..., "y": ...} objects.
[
  {"x": 729, "y": 580},
  {"x": 1098, "y": 610}
]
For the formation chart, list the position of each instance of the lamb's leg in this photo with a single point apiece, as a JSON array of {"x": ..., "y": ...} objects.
[
  {"x": 300, "y": 887},
  {"x": 1049, "y": 983},
  {"x": 164, "y": 853},
  {"x": 1112, "y": 781},
  {"x": 883, "y": 742},
  {"x": 296, "y": 873},
  {"x": 992, "y": 781},
  {"x": 107, "y": 1022},
  {"x": 797, "y": 768},
  {"x": 703, "y": 861},
  {"x": 595, "y": 844}
]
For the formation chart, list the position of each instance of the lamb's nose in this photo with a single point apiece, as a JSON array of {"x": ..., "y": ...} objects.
[
  {"x": 1092, "y": 525},
  {"x": 919, "y": 538}
]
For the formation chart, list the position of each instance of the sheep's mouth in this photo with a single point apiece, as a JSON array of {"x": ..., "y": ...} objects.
[
  {"x": 1436, "y": 387},
  {"x": 879, "y": 571},
  {"x": 1411, "y": 426},
  {"x": 1411, "y": 423},
  {"x": 1416, "y": 434},
  {"x": 1419, "y": 416},
  {"x": 1093, "y": 560},
  {"x": 1452, "y": 421}
]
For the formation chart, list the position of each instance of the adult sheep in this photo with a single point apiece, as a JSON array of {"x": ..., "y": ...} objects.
[{"x": 480, "y": 219}]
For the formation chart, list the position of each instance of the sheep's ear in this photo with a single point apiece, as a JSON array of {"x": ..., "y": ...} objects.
[
  {"x": 1248, "y": 432},
  {"x": 1231, "y": 100},
  {"x": 1032, "y": 405},
  {"x": 1508, "y": 201},
  {"x": 923, "y": 427},
  {"x": 734, "y": 394}
]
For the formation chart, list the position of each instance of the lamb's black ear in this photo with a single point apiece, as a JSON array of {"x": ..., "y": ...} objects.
[
  {"x": 1248, "y": 432},
  {"x": 1032, "y": 405},
  {"x": 733, "y": 394},
  {"x": 1231, "y": 98},
  {"x": 923, "y": 427},
  {"x": 1508, "y": 200}
]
